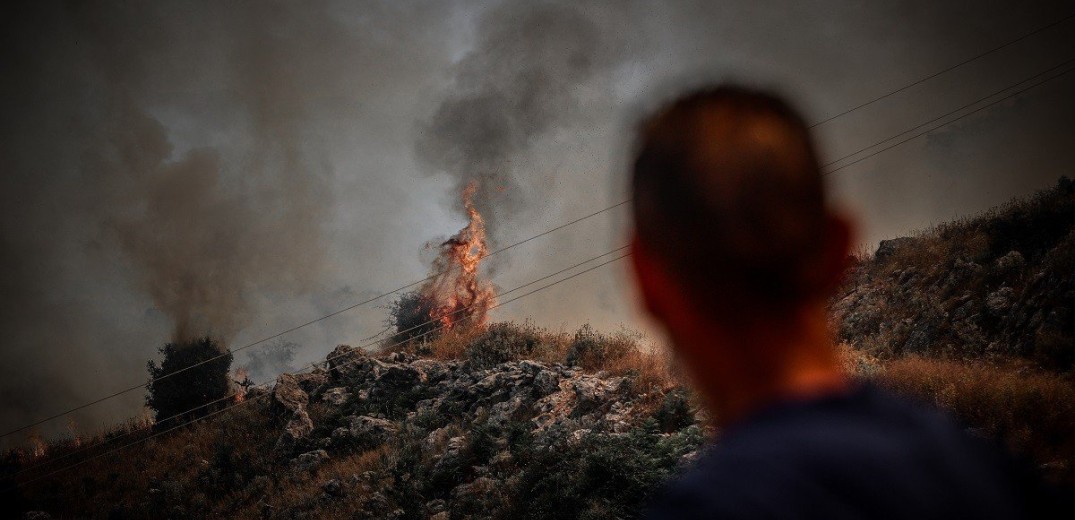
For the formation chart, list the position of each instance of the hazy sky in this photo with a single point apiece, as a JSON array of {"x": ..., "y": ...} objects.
[{"x": 243, "y": 167}]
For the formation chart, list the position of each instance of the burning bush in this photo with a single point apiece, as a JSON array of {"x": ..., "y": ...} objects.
[
  {"x": 188, "y": 394},
  {"x": 455, "y": 294}
]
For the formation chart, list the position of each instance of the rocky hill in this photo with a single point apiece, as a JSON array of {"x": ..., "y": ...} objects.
[
  {"x": 481, "y": 432},
  {"x": 512, "y": 421},
  {"x": 998, "y": 285}
]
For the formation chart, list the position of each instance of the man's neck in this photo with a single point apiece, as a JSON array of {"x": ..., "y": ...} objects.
[{"x": 755, "y": 366}]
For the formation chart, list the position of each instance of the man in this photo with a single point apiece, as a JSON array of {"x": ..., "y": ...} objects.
[{"x": 736, "y": 252}]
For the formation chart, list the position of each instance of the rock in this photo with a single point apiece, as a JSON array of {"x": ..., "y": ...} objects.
[
  {"x": 333, "y": 488},
  {"x": 887, "y": 248},
  {"x": 36, "y": 515},
  {"x": 998, "y": 302},
  {"x": 310, "y": 460},
  {"x": 1012, "y": 261},
  {"x": 546, "y": 382},
  {"x": 503, "y": 413},
  {"x": 288, "y": 395},
  {"x": 688, "y": 459},
  {"x": 343, "y": 362},
  {"x": 312, "y": 382},
  {"x": 592, "y": 393},
  {"x": 299, "y": 427},
  {"x": 365, "y": 432},
  {"x": 336, "y": 396},
  {"x": 436, "y": 506}
]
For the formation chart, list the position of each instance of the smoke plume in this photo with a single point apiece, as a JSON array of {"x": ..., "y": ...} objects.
[
  {"x": 234, "y": 168},
  {"x": 521, "y": 79}
]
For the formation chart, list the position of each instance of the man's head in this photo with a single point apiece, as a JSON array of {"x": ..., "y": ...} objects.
[{"x": 730, "y": 211}]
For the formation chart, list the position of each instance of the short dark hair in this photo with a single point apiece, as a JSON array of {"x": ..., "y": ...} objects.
[{"x": 728, "y": 194}]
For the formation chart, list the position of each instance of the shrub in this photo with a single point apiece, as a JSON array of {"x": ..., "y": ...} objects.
[
  {"x": 503, "y": 342},
  {"x": 591, "y": 350},
  {"x": 1032, "y": 411},
  {"x": 601, "y": 476},
  {"x": 675, "y": 412},
  {"x": 176, "y": 394},
  {"x": 410, "y": 316}
]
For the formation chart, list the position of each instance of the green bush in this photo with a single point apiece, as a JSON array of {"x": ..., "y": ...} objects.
[
  {"x": 675, "y": 412},
  {"x": 177, "y": 395}
]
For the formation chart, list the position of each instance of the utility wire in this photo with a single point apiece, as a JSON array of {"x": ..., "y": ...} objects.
[
  {"x": 412, "y": 284},
  {"x": 327, "y": 360},
  {"x": 294, "y": 328},
  {"x": 946, "y": 123},
  {"x": 949, "y": 69},
  {"x": 313, "y": 365}
]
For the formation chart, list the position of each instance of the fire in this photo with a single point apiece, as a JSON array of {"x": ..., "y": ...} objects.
[
  {"x": 242, "y": 382},
  {"x": 38, "y": 447},
  {"x": 456, "y": 294}
]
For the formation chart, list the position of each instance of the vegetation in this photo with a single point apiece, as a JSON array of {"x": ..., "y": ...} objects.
[
  {"x": 974, "y": 317},
  {"x": 995, "y": 286},
  {"x": 410, "y": 317},
  {"x": 189, "y": 383}
]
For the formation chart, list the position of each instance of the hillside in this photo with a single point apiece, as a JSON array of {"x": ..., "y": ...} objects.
[
  {"x": 998, "y": 285},
  {"x": 514, "y": 421}
]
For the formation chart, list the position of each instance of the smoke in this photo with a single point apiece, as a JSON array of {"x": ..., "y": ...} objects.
[
  {"x": 167, "y": 153},
  {"x": 522, "y": 79},
  {"x": 235, "y": 168}
]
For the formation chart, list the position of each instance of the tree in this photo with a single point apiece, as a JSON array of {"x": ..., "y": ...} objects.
[
  {"x": 192, "y": 393},
  {"x": 410, "y": 316}
]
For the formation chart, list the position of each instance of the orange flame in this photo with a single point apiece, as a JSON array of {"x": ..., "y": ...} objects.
[
  {"x": 456, "y": 293},
  {"x": 242, "y": 382},
  {"x": 38, "y": 447}
]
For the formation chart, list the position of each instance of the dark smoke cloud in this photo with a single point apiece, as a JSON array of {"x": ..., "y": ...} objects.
[
  {"x": 97, "y": 185},
  {"x": 519, "y": 81}
]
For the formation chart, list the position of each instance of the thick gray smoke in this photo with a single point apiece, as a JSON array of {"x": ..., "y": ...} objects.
[
  {"x": 104, "y": 201},
  {"x": 178, "y": 168},
  {"x": 522, "y": 79}
]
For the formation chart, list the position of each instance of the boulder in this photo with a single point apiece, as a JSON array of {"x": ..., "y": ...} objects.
[
  {"x": 299, "y": 427},
  {"x": 887, "y": 248},
  {"x": 287, "y": 395},
  {"x": 365, "y": 432},
  {"x": 310, "y": 460},
  {"x": 336, "y": 396}
]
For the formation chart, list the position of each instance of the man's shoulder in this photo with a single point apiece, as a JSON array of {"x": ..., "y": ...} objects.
[{"x": 843, "y": 456}]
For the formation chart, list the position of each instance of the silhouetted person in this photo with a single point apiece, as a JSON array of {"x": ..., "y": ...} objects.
[{"x": 736, "y": 252}]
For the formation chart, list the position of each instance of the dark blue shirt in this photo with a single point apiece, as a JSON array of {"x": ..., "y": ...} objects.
[{"x": 860, "y": 454}]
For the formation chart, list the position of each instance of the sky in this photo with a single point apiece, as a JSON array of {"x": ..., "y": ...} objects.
[{"x": 239, "y": 168}]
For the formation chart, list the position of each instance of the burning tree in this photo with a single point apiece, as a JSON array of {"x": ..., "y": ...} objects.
[{"x": 455, "y": 294}]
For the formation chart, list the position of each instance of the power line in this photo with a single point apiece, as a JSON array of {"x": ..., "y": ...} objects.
[
  {"x": 949, "y": 69},
  {"x": 327, "y": 359},
  {"x": 294, "y": 328},
  {"x": 312, "y": 365},
  {"x": 412, "y": 284},
  {"x": 941, "y": 117}
]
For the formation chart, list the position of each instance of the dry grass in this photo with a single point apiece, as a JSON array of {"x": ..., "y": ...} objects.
[
  {"x": 303, "y": 492},
  {"x": 1031, "y": 410},
  {"x": 650, "y": 368}
]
